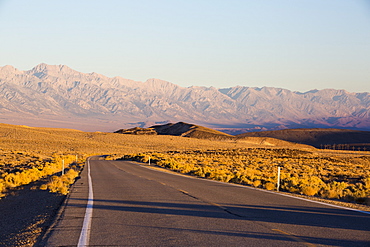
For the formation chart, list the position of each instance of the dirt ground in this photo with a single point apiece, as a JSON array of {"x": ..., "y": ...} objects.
[{"x": 26, "y": 213}]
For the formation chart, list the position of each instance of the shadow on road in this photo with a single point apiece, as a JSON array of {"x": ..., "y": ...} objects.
[
  {"x": 270, "y": 236},
  {"x": 304, "y": 216}
]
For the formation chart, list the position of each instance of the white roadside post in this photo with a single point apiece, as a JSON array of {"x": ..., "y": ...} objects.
[
  {"x": 149, "y": 160},
  {"x": 62, "y": 167},
  {"x": 278, "y": 179}
]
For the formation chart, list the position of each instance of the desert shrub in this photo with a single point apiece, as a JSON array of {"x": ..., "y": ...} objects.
[
  {"x": 309, "y": 190},
  {"x": 366, "y": 182},
  {"x": 35, "y": 172},
  {"x": 2, "y": 187},
  {"x": 310, "y": 185},
  {"x": 61, "y": 184},
  {"x": 44, "y": 187},
  {"x": 256, "y": 183},
  {"x": 335, "y": 190},
  {"x": 245, "y": 180},
  {"x": 269, "y": 186}
]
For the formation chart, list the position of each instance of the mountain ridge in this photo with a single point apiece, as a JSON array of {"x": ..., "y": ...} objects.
[{"x": 56, "y": 93}]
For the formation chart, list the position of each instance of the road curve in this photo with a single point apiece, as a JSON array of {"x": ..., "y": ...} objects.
[{"x": 137, "y": 206}]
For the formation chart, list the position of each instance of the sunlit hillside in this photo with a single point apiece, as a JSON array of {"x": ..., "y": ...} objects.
[{"x": 66, "y": 141}]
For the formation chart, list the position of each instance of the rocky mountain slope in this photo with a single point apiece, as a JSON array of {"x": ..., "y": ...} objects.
[{"x": 58, "y": 96}]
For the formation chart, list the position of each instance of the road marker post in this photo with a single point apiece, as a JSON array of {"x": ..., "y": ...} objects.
[
  {"x": 149, "y": 160},
  {"x": 278, "y": 179},
  {"x": 62, "y": 167}
]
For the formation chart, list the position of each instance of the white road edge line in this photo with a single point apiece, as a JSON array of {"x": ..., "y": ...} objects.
[
  {"x": 85, "y": 231},
  {"x": 266, "y": 191}
]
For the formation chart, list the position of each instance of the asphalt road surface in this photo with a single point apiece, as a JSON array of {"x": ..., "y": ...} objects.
[{"x": 133, "y": 205}]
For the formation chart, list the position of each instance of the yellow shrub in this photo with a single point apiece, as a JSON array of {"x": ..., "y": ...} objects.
[
  {"x": 33, "y": 173},
  {"x": 331, "y": 194},
  {"x": 256, "y": 183},
  {"x": 367, "y": 183},
  {"x": 335, "y": 190},
  {"x": 2, "y": 187},
  {"x": 43, "y": 187},
  {"x": 11, "y": 180},
  {"x": 70, "y": 176},
  {"x": 270, "y": 186},
  {"x": 309, "y": 190},
  {"x": 61, "y": 184}
]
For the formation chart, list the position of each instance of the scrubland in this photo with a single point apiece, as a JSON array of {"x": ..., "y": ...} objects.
[
  {"x": 21, "y": 168},
  {"x": 344, "y": 175}
]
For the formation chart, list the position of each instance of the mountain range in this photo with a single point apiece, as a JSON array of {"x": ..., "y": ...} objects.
[{"x": 58, "y": 96}]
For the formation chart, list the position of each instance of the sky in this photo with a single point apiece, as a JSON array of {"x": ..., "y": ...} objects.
[{"x": 297, "y": 45}]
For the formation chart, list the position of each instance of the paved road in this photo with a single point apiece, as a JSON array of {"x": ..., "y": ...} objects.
[{"x": 137, "y": 206}]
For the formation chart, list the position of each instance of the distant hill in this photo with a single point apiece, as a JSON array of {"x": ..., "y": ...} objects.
[
  {"x": 190, "y": 130},
  {"x": 200, "y": 132},
  {"x": 320, "y": 138},
  {"x": 179, "y": 129},
  {"x": 58, "y": 96}
]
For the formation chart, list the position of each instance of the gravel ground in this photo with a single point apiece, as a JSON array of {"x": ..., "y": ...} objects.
[{"x": 26, "y": 213}]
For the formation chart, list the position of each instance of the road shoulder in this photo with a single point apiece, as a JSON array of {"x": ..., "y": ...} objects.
[{"x": 67, "y": 225}]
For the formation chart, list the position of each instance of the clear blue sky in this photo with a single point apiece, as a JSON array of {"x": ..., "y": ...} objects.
[{"x": 294, "y": 44}]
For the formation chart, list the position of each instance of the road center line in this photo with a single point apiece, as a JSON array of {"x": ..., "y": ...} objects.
[{"x": 85, "y": 231}]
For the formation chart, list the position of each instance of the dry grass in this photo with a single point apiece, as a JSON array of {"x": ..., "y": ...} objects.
[{"x": 47, "y": 141}]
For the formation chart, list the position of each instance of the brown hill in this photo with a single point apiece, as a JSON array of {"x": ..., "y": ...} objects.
[
  {"x": 200, "y": 132},
  {"x": 190, "y": 130},
  {"x": 179, "y": 129},
  {"x": 321, "y": 138}
]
